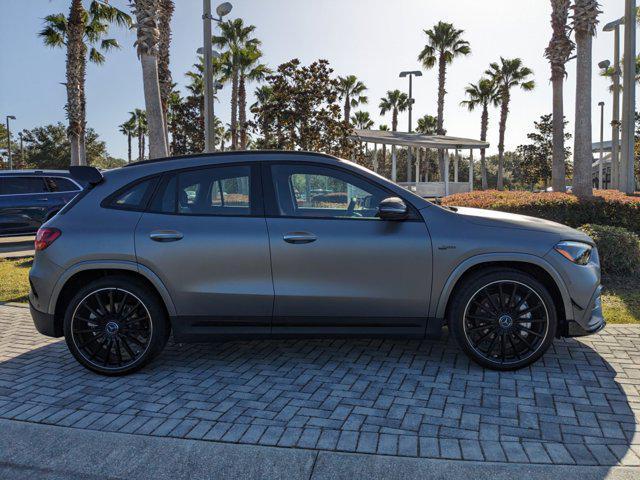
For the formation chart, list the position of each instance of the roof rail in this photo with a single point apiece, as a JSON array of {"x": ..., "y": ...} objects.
[{"x": 231, "y": 152}]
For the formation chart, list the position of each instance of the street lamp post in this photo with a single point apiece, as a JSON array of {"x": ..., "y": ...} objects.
[
  {"x": 601, "y": 105},
  {"x": 627, "y": 177},
  {"x": 222, "y": 10},
  {"x": 410, "y": 74},
  {"x": 9, "y": 117},
  {"x": 21, "y": 149},
  {"x": 615, "y": 120}
]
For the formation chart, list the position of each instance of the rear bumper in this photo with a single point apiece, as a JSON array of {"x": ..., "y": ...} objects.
[
  {"x": 593, "y": 321},
  {"x": 44, "y": 322}
]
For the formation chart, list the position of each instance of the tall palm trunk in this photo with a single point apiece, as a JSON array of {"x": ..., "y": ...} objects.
[
  {"x": 347, "y": 109},
  {"x": 558, "y": 170},
  {"x": 504, "y": 112},
  {"x": 242, "y": 104},
  {"x": 147, "y": 44},
  {"x": 76, "y": 56},
  {"x": 582, "y": 155},
  {"x": 164, "y": 73},
  {"x": 484, "y": 125},
  {"x": 129, "y": 146},
  {"x": 234, "y": 107},
  {"x": 442, "y": 75}
]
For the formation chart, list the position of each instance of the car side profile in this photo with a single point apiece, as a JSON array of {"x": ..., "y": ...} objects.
[
  {"x": 28, "y": 198},
  {"x": 258, "y": 244}
]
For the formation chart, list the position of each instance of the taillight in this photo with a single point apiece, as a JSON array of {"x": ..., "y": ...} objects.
[{"x": 45, "y": 237}]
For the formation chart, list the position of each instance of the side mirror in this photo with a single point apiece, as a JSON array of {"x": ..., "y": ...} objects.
[{"x": 392, "y": 208}]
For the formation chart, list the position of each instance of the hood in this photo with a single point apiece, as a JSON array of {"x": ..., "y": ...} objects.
[{"x": 492, "y": 218}]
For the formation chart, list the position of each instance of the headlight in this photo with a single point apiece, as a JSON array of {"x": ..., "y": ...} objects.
[{"x": 577, "y": 252}]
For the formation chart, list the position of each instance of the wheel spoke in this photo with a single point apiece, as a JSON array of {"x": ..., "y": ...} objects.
[
  {"x": 523, "y": 340},
  {"x": 528, "y": 310},
  {"x": 126, "y": 346},
  {"x": 108, "y": 353},
  {"x": 122, "y": 303},
  {"x": 482, "y": 319},
  {"x": 100, "y": 304},
  {"x": 500, "y": 302},
  {"x": 513, "y": 295},
  {"x": 134, "y": 339},
  {"x": 491, "y": 345},
  {"x": 496, "y": 310},
  {"x": 111, "y": 304},
  {"x": 118, "y": 352},
  {"x": 91, "y": 340},
  {"x": 530, "y": 332},
  {"x": 530, "y": 320},
  {"x": 479, "y": 305},
  {"x": 521, "y": 301},
  {"x": 513, "y": 346},
  {"x": 503, "y": 349}
]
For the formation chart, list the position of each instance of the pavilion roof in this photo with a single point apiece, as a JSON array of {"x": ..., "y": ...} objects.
[{"x": 417, "y": 140}]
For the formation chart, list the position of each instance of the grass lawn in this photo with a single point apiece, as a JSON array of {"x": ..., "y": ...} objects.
[
  {"x": 620, "y": 299},
  {"x": 14, "y": 283}
]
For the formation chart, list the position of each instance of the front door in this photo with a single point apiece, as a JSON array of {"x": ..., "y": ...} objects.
[
  {"x": 337, "y": 267},
  {"x": 205, "y": 236}
]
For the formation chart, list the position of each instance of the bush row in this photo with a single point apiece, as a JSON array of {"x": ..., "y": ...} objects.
[
  {"x": 608, "y": 207},
  {"x": 619, "y": 249}
]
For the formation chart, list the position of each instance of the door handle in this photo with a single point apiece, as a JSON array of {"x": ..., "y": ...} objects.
[
  {"x": 165, "y": 236},
  {"x": 299, "y": 237}
]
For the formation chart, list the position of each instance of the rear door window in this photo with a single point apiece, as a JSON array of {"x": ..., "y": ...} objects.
[
  {"x": 22, "y": 185},
  {"x": 60, "y": 184}
]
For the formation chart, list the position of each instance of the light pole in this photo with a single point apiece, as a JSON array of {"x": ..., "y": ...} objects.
[
  {"x": 21, "y": 149},
  {"x": 410, "y": 74},
  {"x": 222, "y": 10},
  {"x": 216, "y": 86},
  {"x": 615, "y": 120},
  {"x": 601, "y": 105},
  {"x": 627, "y": 177},
  {"x": 9, "y": 117}
]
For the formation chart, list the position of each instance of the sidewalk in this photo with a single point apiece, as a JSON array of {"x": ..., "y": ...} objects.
[
  {"x": 30, "y": 450},
  {"x": 16, "y": 247}
]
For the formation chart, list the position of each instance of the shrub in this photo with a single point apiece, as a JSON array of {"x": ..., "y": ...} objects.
[
  {"x": 608, "y": 207},
  {"x": 619, "y": 249}
]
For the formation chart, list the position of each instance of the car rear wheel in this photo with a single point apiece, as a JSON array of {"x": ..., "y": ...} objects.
[
  {"x": 503, "y": 319},
  {"x": 115, "y": 326}
]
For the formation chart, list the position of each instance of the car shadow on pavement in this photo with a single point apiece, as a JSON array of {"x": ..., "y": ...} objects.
[{"x": 393, "y": 397}]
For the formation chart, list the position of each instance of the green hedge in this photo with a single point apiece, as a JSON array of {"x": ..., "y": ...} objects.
[
  {"x": 608, "y": 207},
  {"x": 619, "y": 249}
]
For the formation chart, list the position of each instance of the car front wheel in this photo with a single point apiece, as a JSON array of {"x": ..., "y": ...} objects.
[
  {"x": 114, "y": 325},
  {"x": 503, "y": 319}
]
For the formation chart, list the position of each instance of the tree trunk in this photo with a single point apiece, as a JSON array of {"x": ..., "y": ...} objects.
[
  {"x": 153, "y": 106},
  {"x": 242, "y": 100},
  {"x": 234, "y": 109},
  {"x": 504, "y": 112},
  {"x": 347, "y": 109},
  {"x": 484, "y": 125},
  {"x": 394, "y": 120},
  {"x": 164, "y": 44},
  {"x": 76, "y": 54},
  {"x": 140, "y": 145},
  {"x": 129, "y": 147},
  {"x": 442, "y": 78},
  {"x": 582, "y": 155},
  {"x": 558, "y": 174}
]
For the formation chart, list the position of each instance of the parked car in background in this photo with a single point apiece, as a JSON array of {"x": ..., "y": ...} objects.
[
  {"x": 28, "y": 198},
  {"x": 227, "y": 245}
]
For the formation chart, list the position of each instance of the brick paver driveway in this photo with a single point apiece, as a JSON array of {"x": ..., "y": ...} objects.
[{"x": 579, "y": 405}]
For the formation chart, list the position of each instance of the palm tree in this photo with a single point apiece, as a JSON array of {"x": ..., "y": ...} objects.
[
  {"x": 263, "y": 96},
  {"x": 251, "y": 70},
  {"x": 165, "y": 14},
  {"x": 383, "y": 128},
  {"x": 558, "y": 53},
  {"x": 584, "y": 19},
  {"x": 139, "y": 121},
  {"x": 609, "y": 71},
  {"x": 444, "y": 43},
  {"x": 148, "y": 37},
  {"x": 128, "y": 128},
  {"x": 427, "y": 125},
  {"x": 482, "y": 94},
  {"x": 362, "y": 120},
  {"x": 507, "y": 74},
  {"x": 82, "y": 33},
  {"x": 235, "y": 37},
  {"x": 352, "y": 91},
  {"x": 395, "y": 101}
]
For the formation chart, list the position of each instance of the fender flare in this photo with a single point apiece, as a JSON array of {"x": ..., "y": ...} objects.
[
  {"x": 112, "y": 265},
  {"x": 464, "y": 266}
]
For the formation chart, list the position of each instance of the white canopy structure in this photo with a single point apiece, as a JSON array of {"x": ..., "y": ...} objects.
[{"x": 418, "y": 142}]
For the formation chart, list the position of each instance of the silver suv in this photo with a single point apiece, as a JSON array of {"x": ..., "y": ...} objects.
[{"x": 265, "y": 244}]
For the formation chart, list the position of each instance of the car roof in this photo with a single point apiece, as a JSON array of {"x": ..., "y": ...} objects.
[{"x": 37, "y": 172}]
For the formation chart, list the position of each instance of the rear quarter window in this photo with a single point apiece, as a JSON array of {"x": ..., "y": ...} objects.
[{"x": 132, "y": 197}]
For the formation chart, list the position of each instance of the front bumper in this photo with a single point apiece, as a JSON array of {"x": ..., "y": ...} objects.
[
  {"x": 45, "y": 322},
  {"x": 595, "y": 319}
]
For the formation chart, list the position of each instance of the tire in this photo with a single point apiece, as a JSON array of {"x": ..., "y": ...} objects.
[
  {"x": 503, "y": 319},
  {"x": 115, "y": 325}
]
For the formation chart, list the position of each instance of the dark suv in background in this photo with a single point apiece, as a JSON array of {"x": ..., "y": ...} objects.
[{"x": 28, "y": 198}]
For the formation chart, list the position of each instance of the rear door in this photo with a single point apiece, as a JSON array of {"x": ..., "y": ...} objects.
[
  {"x": 23, "y": 204},
  {"x": 61, "y": 191},
  {"x": 337, "y": 267},
  {"x": 205, "y": 236}
]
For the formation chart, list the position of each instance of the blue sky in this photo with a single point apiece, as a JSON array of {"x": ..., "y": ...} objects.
[{"x": 373, "y": 39}]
